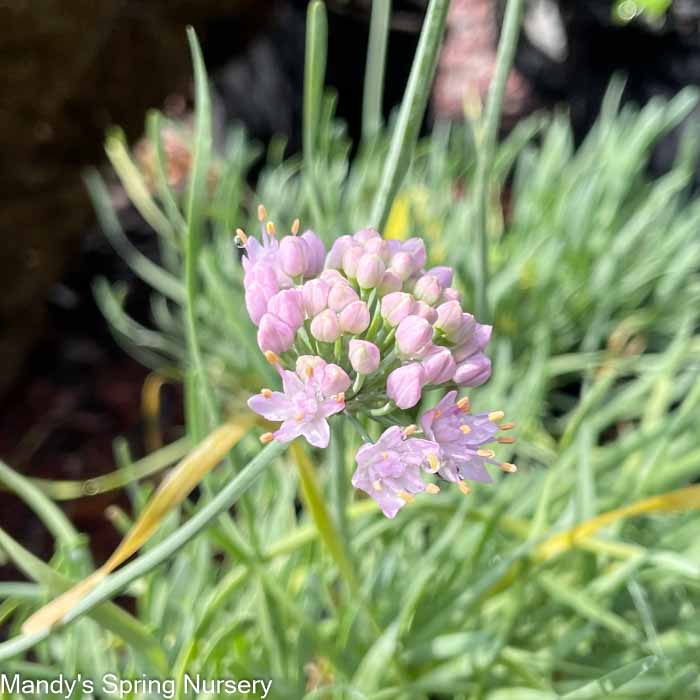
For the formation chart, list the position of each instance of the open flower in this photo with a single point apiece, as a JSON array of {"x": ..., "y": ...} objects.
[
  {"x": 389, "y": 470},
  {"x": 303, "y": 406},
  {"x": 461, "y": 437}
]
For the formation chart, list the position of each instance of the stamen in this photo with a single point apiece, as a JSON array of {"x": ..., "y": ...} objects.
[
  {"x": 495, "y": 416},
  {"x": 464, "y": 488},
  {"x": 438, "y": 413},
  {"x": 377, "y": 485},
  {"x": 270, "y": 228},
  {"x": 506, "y": 426},
  {"x": 340, "y": 398},
  {"x": 242, "y": 236},
  {"x": 465, "y": 429},
  {"x": 432, "y": 489},
  {"x": 385, "y": 455},
  {"x": 299, "y": 416},
  {"x": 309, "y": 371},
  {"x": 272, "y": 358},
  {"x": 262, "y": 213},
  {"x": 508, "y": 467},
  {"x": 266, "y": 437},
  {"x": 464, "y": 404},
  {"x": 506, "y": 440},
  {"x": 406, "y": 497},
  {"x": 409, "y": 430},
  {"x": 434, "y": 462},
  {"x": 266, "y": 393},
  {"x": 489, "y": 454},
  {"x": 295, "y": 227}
]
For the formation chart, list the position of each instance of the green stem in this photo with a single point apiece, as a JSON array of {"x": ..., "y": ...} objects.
[
  {"x": 146, "y": 563},
  {"x": 340, "y": 481},
  {"x": 487, "y": 148},
  {"x": 415, "y": 100},
  {"x": 374, "y": 68},
  {"x": 358, "y": 426}
]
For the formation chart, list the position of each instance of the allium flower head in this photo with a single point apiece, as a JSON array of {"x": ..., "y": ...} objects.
[{"x": 364, "y": 330}]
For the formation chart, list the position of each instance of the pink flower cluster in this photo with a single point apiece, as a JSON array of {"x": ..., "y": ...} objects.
[{"x": 367, "y": 328}]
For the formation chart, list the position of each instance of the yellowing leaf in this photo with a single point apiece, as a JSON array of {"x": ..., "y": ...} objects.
[
  {"x": 681, "y": 500},
  {"x": 171, "y": 492}
]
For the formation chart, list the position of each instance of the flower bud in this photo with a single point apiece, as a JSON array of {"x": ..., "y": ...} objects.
[
  {"x": 315, "y": 296},
  {"x": 364, "y": 356},
  {"x": 379, "y": 247},
  {"x": 439, "y": 366},
  {"x": 331, "y": 276},
  {"x": 473, "y": 371},
  {"x": 335, "y": 380},
  {"x": 274, "y": 334},
  {"x": 444, "y": 275},
  {"x": 416, "y": 249},
  {"x": 354, "y": 318},
  {"x": 288, "y": 306},
  {"x": 401, "y": 265},
  {"x": 366, "y": 234},
  {"x": 256, "y": 298},
  {"x": 476, "y": 341},
  {"x": 316, "y": 253},
  {"x": 465, "y": 330},
  {"x": 427, "y": 289},
  {"x": 309, "y": 365},
  {"x": 341, "y": 295},
  {"x": 325, "y": 327},
  {"x": 369, "y": 271},
  {"x": 425, "y": 311},
  {"x": 449, "y": 319},
  {"x": 405, "y": 384},
  {"x": 335, "y": 256},
  {"x": 293, "y": 255},
  {"x": 451, "y": 294},
  {"x": 414, "y": 336},
  {"x": 396, "y": 306},
  {"x": 351, "y": 260},
  {"x": 389, "y": 283}
]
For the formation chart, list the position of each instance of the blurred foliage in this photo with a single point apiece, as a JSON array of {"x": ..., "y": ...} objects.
[{"x": 596, "y": 350}]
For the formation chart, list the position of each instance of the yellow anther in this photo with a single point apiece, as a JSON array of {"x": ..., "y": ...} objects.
[
  {"x": 385, "y": 455},
  {"x": 495, "y": 416},
  {"x": 464, "y": 488},
  {"x": 438, "y": 413},
  {"x": 432, "y": 489},
  {"x": 295, "y": 227},
  {"x": 506, "y": 426},
  {"x": 340, "y": 398},
  {"x": 465, "y": 429},
  {"x": 266, "y": 437},
  {"x": 270, "y": 228},
  {"x": 272, "y": 358},
  {"x": 262, "y": 213},
  {"x": 309, "y": 371},
  {"x": 489, "y": 454},
  {"x": 506, "y": 440},
  {"x": 377, "y": 485},
  {"x": 406, "y": 497},
  {"x": 508, "y": 467},
  {"x": 434, "y": 462},
  {"x": 266, "y": 393},
  {"x": 410, "y": 430},
  {"x": 299, "y": 416},
  {"x": 464, "y": 404},
  {"x": 242, "y": 236}
]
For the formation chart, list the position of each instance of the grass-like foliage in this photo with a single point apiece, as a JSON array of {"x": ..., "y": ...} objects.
[{"x": 595, "y": 296}]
